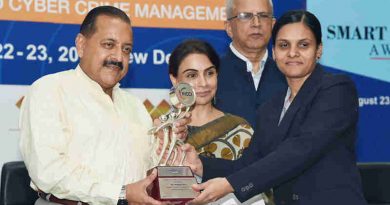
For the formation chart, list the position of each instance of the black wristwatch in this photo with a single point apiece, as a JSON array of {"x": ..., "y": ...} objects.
[{"x": 122, "y": 196}]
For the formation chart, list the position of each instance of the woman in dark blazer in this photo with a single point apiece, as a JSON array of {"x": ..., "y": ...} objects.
[{"x": 304, "y": 143}]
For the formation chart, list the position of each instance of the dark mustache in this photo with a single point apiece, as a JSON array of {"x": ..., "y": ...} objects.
[{"x": 114, "y": 63}]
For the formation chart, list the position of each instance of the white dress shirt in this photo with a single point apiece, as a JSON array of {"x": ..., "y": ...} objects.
[
  {"x": 286, "y": 105},
  {"x": 249, "y": 67},
  {"x": 78, "y": 143}
]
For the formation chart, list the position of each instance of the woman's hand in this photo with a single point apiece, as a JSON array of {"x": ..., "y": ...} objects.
[
  {"x": 213, "y": 190},
  {"x": 192, "y": 159},
  {"x": 180, "y": 127}
]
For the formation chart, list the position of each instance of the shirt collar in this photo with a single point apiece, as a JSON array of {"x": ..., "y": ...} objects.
[
  {"x": 249, "y": 66},
  {"x": 287, "y": 101}
]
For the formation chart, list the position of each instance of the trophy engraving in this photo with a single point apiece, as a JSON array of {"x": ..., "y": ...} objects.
[{"x": 173, "y": 183}]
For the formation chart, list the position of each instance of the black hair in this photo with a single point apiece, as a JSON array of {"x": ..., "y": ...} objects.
[
  {"x": 295, "y": 16},
  {"x": 88, "y": 26},
  {"x": 192, "y": 46}
]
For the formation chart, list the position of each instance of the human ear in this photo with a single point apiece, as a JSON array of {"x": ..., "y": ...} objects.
[
  {"x": 173, "y": 79},
  {"x": 228, "y": 29},
  {"x": 80, "y": 44},
  {"x": 319, "y": 51}
]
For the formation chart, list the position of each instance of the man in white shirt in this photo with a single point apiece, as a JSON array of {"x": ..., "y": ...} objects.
[{"x": 84, "y": 139}]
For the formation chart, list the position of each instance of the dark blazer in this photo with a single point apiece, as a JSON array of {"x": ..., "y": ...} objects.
[
  {"x": 236, "y": 93},
  {"x": 309, "y": 159}
]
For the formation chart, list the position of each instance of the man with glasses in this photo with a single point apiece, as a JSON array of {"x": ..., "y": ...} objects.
[{"x": 247, "y": 71}]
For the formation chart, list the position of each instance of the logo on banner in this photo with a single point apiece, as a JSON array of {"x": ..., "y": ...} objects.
[{"x": 155, "y": 111}]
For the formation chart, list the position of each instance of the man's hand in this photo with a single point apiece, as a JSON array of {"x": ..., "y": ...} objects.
[
  {"x": 213, "y": 190},
  {"x": 136, "y": 193}
]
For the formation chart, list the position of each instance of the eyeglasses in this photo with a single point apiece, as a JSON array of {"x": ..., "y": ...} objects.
[{"x": 247, "y": 16}]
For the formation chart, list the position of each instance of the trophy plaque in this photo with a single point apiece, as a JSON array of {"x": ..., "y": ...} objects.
[{"x": 173, "y": 183}]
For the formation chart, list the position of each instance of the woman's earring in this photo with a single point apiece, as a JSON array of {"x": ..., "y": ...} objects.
[{"x": 214, "y": 100}]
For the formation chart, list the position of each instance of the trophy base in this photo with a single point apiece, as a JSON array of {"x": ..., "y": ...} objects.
[{"x": 173, "y": 184}]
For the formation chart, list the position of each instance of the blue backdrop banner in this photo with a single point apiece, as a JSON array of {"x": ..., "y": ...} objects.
[{"x": 38, "y": 39}]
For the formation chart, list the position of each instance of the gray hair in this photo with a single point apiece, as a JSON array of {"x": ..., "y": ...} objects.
[{"x": 229, "y": 7}]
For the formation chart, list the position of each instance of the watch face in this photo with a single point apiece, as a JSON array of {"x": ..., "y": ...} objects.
[{"x": 122, "y": 202}]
